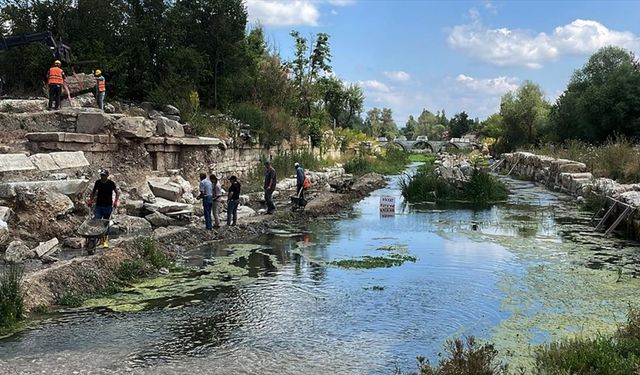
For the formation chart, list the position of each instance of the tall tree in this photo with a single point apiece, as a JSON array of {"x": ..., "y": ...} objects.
[
  {"x": 460, "y": 124},
  {"x": 525, "y": 114}
]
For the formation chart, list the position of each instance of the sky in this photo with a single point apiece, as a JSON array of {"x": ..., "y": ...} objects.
[{"x": 409, "y": 55}]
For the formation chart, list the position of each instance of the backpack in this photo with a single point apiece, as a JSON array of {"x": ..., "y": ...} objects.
[{"x": 307, "y": 183}]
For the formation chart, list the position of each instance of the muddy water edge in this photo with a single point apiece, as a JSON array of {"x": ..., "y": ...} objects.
[{"x": 354, "y": 293}]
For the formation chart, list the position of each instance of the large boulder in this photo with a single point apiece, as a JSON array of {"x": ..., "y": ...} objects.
[
  {"x": 124, "y": 224},
  {"x": 161, "y": 187},
  {"x": 43, "y": 202},
  {"x": 80, "y": 83},
  {"x": 187, "y": 189},
  {"x": 160, "y": 220},
  {"x": 91, "y": 123},
  {"x": 245, "y": 211},
  {"x": 165, "y": 206},
  {"x": 17, "y": 252},
  {"x": 134, "y": 127},
  {"x": 5, "y": 213},
  {"x": 20, "y": 105},
  {"x": 171, "y": 110},
  {"x": 169, "y": 128}
]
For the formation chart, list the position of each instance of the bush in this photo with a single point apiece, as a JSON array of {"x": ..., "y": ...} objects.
[
  {"x": 427, "y": 186},
  {"x": 11, "y": 302},
  {"x": 464, "y": 358}
]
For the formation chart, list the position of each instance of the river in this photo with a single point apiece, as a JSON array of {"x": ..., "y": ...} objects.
[{"x": 518, "y": 274}]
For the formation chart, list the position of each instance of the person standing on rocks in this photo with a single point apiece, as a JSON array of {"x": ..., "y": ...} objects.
[
  {"x": 101, "y": 88},
  {"x": 55, "y": 80},
  {"x": 299, "y": 181},
  {"x": 206, "y": 194},
  {"x": 269, "y": 186},
  {"x": 102, "y": 195},
  {"x": 233, "y": 201},
  {"x": 217, "y": 200}
]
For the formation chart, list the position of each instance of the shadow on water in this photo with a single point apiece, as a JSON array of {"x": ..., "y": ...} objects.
[{"x": 280, "y": 305}]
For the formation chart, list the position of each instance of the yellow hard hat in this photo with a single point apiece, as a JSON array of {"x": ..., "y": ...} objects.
[
  {"x": 98, "y": 72},
  {"x": 57, "y": 63}
]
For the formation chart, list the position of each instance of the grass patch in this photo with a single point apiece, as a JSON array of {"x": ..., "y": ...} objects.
[
  {"x": 375, "y": 261},
  {"x": 11, "y": 298},
  {"x": 393, "y": 161},
  {"x": 422, "y": 158},
  {"x": 618, "y": 158},
  {"x": 426, "y": 186}
]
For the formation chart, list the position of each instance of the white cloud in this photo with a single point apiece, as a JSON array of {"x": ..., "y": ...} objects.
[
  {"x": 375, "y": 86},
  {"x": 398, "y": 75},
  {"x": 506, "y": 47},
  {"x": 341, "y": 3},
  {"x": 490, "y": 86},
  {"x": 283, "y": 13}
]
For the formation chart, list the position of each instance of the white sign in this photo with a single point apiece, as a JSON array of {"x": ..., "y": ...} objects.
[{"x": 387, "y": 205}]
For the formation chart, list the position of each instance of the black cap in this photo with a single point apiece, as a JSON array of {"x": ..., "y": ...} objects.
[
  {"x": 233, "y": 178},
  {"x": 104, "y": 172}
]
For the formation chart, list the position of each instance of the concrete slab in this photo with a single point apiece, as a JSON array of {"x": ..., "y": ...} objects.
[
  {"x": 92, "y": 123},
  {"x": 44, "y": 162},
  {"x": 66, "y": 187},
  {"x": 15, "y": 162},
  {"x": 47, "y": 248},
  {"x": 197, "y": 141},
  {"x": 78, "y": 137},
  {"x": 164, "y": 205},
  {"x": 172, "y": 193},
  {"x": 70, "y": 159}
]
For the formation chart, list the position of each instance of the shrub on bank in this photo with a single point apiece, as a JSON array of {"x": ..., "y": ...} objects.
[
  {"x": 393, "y": 161},
  {"x": 11, "y": 298},
  {"x": 426, "y": 186}
]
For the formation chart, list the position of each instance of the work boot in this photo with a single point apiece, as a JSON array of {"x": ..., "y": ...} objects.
[{"x": 105, "y": 243}]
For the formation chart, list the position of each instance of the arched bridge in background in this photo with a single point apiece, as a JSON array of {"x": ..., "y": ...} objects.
[{"x": 432, "y": 146}]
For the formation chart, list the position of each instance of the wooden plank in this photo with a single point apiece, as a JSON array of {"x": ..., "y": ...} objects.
[
  {"x": 606, "y": 216},
  {"x": 595, "y": 214},
  {"x": 615, "y": 224}
]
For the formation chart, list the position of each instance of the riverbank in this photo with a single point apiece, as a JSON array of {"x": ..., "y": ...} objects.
[{"x": 86, "y": 275}]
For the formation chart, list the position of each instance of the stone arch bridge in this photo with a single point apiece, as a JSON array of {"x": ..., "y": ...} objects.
[{"x": 432, "y": 146}]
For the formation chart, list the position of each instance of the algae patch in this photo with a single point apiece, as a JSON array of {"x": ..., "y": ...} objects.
[{"x": 374, "y": 261}]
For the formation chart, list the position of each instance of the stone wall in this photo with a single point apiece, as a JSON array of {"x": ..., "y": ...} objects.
[{"x": 573, "y": 178}]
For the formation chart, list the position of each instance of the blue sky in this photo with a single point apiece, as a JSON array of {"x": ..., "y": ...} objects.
[{"x": 453, "y": 55}]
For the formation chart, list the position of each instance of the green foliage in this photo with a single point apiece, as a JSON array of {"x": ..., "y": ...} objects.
[
  {"x": 601, "y": 100},
  {"x": 379, "y": 123},
  {"x": 348, "y": 137},
  {"x": 393, "y": 161},
  {"x": 11, "y": 297},
  {"x": 460, "y": 124},
  {"x": 464, "y": 358},
  {"x": 422, "y": 158},
  {"x": 283, "y": 163},
  {"x": 426, "y": 186},
  {"x": 524, "y": 115}
]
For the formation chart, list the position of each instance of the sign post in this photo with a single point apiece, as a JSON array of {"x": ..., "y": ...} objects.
[{"x": 387, "y": 206}]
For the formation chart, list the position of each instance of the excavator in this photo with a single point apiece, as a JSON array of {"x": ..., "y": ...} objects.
[{"x": 59, "y": 50}]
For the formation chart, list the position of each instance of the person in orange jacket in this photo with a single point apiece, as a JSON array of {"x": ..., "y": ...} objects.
[
  {"x": 55, "y": 80},
  {"x": 101, "y": 88}
]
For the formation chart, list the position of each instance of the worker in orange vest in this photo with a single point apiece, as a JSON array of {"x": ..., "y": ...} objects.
[
  {"x": 101, "y": 88},
  {"x": 55, "y": 80}
]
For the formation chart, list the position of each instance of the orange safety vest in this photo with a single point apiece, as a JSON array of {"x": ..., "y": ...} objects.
[
  {"x": 102, "y": 85},
  {"x": 55, "y": 76}
]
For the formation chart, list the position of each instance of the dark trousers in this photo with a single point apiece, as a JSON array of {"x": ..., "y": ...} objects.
[
  {"x": 207, "y": 203},
  {"x": 232, "y": 211},
  {"x": 300, "y": 192},
  {"x": 55, "y": 91},
  {"x": 268, "y": 200}
]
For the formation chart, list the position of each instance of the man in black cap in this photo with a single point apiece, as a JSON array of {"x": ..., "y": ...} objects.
[
  {"x": 233, "y": 201},
  {"x": 102, "y": 194},
  {"x": 269, "y": 186}
]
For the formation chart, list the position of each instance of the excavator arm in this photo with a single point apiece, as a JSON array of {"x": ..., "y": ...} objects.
[{"x": 59, "y": 51}]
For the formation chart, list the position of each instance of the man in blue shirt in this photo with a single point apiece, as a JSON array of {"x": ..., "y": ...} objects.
[
  {"x": 206, "y": 193},
  {"x": 299, "y": 181}
]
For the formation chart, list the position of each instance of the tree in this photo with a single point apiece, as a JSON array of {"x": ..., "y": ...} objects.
[
  {"x": 602, "y": 99},
  {"x": 460, "y": 124},
  {"x": 525, "y": 114},
  {"x": 492, "y": 126},
  {"x": 410, "y": 128}
]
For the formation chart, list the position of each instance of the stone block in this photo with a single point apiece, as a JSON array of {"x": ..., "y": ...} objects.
[
  {"x": 47, "y": 248},
  {"x": 45, "y": 137},
  {"x": 170, "y": 192},
  {"x": 23, "y": 105},
  {"x": 103, "y": 138},
  {"x": 160, "y": 220},
  {"x": 78, "y": 137},
  {"x": 195, "y": 141},
  {"x": 15, "y": 162},
  {"x": 134, "y": 127},
  {"x": 70, "y": 159},
  {"x": 66, "y": 187},
  {"x": 169, "y": 128},
  {"x": 164, "y": 205},
  {"x": 91, "y": 123},
  {"x": 44, "y": 162}
]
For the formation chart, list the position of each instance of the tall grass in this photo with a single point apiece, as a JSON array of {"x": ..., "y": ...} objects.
[
  {"x": 392, "y": 161},
  {"x": 618, "y": 158},
  {"x": 426, "y": 186},
  {"x": 11, "y": 297},
  {"x": 283, "y": 163}
]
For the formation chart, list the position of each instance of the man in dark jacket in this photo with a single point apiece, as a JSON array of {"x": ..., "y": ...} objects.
[
  {"x": 102, "y": 194},
  {"x": 299, "y": 181},
  {"x": 233, "y": 201},
  {"x": 269, "y": 186}
]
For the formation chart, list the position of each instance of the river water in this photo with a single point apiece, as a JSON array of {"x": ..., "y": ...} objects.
[{"x": 518, "y": 274}]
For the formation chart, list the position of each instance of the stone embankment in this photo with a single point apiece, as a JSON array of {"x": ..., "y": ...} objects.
[{"x": 573, "y": 177}]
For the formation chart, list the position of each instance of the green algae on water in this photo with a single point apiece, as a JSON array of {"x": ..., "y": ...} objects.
[{"x": 374, "y": 261}]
